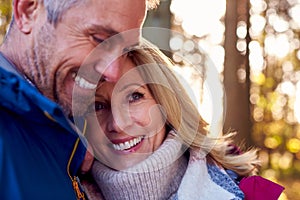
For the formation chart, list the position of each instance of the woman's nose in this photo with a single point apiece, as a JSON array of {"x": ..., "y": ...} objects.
[{"x": 119, "y": 120}]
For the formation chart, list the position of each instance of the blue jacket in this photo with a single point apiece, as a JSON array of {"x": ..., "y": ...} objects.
[{"x": 36, "y": 142}]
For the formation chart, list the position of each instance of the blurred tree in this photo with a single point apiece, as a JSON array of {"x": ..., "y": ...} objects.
[
  {"x": 275, "y": 89},
  {"x": 236, "y": 72},
  {"x": 5, "y": 16}
]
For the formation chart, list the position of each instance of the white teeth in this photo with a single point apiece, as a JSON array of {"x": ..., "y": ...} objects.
[
  {"x": 131, "y": 143},
  {"x": 73, "y": 74},
  {"x": 128, "y": 144},
  {"x": 81, "y": 82}
]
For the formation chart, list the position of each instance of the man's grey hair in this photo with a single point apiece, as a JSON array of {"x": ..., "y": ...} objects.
[{"x": 56, "y": 8}]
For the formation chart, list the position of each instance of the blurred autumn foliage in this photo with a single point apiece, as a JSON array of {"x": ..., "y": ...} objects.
[
  {"x": 275, "y": 84},
  {"x": 5, "y": 16}
]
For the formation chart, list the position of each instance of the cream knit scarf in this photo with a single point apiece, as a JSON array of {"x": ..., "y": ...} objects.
[
  {"x": 164, "y": 175},
  {"x": 157, "y": 177}
]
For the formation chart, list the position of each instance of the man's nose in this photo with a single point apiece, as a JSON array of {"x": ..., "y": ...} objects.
[
  {"x": 112, "y": 72},
  {"x": 110, "y": 64}
]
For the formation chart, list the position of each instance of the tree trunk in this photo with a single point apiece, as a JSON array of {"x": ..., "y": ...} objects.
[{"x": 236, "y": 104}]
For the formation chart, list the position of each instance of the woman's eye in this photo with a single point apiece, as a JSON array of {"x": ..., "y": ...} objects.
[
  {"x": 136, "y": 96},
  {"x": 100, "y": 106}
]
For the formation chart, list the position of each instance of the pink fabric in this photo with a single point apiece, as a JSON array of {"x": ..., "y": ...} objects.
[{"x": 258, "y": 188}]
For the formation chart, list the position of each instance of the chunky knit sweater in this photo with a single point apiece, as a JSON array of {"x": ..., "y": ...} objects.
[{"x": 166, "y": 174}]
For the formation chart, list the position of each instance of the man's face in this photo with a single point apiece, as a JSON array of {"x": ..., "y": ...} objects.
[{"x": 60, "y": 51}]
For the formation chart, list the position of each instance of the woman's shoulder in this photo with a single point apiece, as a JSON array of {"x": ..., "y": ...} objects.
[
  {"x": 227, "y": 179},
  {"x": 253, "y": 187}
]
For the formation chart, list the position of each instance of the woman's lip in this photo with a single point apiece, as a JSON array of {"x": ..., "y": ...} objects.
[{"x": 133, "y": 148}]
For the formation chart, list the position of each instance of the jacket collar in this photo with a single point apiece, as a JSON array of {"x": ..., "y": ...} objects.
[
  {"x": 21, "y": 97},
  {"x": 7, "y": 65}
]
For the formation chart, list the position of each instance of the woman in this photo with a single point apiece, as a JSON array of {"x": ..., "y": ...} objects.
[{"x": 150, "y": 142}]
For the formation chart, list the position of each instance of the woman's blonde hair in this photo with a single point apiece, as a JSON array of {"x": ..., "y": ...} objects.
[{"x": 181, "y": 113}]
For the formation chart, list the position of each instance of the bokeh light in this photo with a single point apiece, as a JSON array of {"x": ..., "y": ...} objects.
[{"x": 201, "y": 23}]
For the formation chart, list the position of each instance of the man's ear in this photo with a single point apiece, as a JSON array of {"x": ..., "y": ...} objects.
[{"x": 25, "y": 12}]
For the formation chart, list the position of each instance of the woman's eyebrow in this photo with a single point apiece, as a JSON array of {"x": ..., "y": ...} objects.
[
  {"x": 99, "y": 96},
  {"x": 143, "y": 85}
]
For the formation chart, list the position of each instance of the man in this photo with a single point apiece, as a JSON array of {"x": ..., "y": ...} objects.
[{"x": 48, "y": 41}]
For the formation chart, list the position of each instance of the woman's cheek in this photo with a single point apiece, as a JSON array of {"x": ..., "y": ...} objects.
[{"x": 141, "y": 116}]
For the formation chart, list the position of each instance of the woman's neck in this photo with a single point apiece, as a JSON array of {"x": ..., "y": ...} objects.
[{"x": 158, "y": 177}]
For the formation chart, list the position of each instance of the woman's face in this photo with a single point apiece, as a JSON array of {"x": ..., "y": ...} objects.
[{"x": 128, "y": 124}]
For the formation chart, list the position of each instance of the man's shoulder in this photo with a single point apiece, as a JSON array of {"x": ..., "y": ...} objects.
[{"x": 16, "y": 94}]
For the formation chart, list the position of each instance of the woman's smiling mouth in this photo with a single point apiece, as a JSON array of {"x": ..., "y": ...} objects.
[{"x": 128, "y": 145}]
